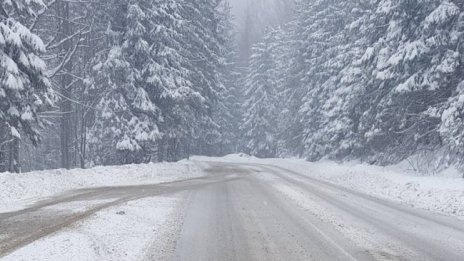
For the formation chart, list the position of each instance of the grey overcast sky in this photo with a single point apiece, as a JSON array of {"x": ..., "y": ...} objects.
[
  {"x": 239, "y": 8},
  {"x": 263, "y": 13},
  {"x": 269, "y": 12}
]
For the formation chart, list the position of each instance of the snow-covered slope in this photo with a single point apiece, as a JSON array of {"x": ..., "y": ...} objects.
[
  {"x": 442, "y": 194},
  {"x": 20, "y": 190},
  {"x": 147, "y": 226}
]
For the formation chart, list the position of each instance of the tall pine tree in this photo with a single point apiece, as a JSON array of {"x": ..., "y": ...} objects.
[{"x": 25, "y": 88}]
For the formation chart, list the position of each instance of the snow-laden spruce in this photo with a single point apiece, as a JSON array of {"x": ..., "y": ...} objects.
[
  {"x": 162, "y": 81},
  {"x": 24, "y": 88},
  {"x": 375, "y": 80}
]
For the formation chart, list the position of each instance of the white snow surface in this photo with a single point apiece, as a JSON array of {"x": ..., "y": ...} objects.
[
  {"x": 136, "y": 230},
  {"x": 17, "y": 191},
  {"x": 442, "y": 193},
  {"x": 150, "y": 227}
]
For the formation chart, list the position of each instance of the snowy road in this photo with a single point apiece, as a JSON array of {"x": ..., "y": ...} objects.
[{"x": 260, "y": 212}]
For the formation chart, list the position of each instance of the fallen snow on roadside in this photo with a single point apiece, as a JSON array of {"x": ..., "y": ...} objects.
[
  {"x": 128, "y": 232},
  {"x": 20, "y": 190},
  {"x": 442, "y": 194}
]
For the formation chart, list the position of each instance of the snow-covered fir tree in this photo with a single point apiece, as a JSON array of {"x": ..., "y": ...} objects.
[
  {"x": 127, "y": 117},
  {"x": 261, "y": 113},
  {"x": 24, "y": 88},
  {"x": 326, "y": 51},
  {"x": 227, "y": 108},
  {"x": 285, "y": 90},
  {"x": 204, "y": 42},
  {"x": 178, "y": 99},
  {"x": 406, "y": 61},
  {"x": 447, "y": 21},
  {"x": 162, "y": 79}
]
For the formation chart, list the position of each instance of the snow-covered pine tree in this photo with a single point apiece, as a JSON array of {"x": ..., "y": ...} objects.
[
  {"x": 284, "y": 55},
  {"x": 227, "y": 108},
  {"x": 260, "y": 118},
  {"x": 203, "y": 42},
  {"x": 152, "y": 51},
  {"x": 349, "y": 30},
  {"x": 447, "y": 24},
  {"x": 413, "y": 63},
  {"x": 25, "y": 88},
  {"x": 322, "y": 31},
  {"x": 126, "y": 125},
  {"x": 352, "y": 96},
  {"x": 174, "y": 93},
  {"x": 291, "y": 63}
]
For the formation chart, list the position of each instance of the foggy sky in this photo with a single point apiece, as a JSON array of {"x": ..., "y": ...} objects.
[
  {"x": 239, "y": 8},
  {"x": 263, "y": 8},
  {"x": 261, "y": 14}
]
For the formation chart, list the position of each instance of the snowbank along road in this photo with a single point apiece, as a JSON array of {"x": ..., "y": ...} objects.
[{"x": 256, "y": 212}]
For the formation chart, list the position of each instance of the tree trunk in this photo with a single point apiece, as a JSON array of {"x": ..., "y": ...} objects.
[
  {"x": 14, "y": 160},
  {"x": 65, "y": 105},
  {"x": 2, "y": 160},
  {"x": 3, "y": 148},
  {"x": 83, "y": 145},
  {"x": 162, "y": 150}
]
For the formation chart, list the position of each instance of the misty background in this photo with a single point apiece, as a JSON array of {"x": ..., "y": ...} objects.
[{"x": 252, "y": 17}]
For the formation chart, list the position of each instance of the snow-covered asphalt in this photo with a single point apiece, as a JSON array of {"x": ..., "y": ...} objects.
[{"x": 238, "y": 211}]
